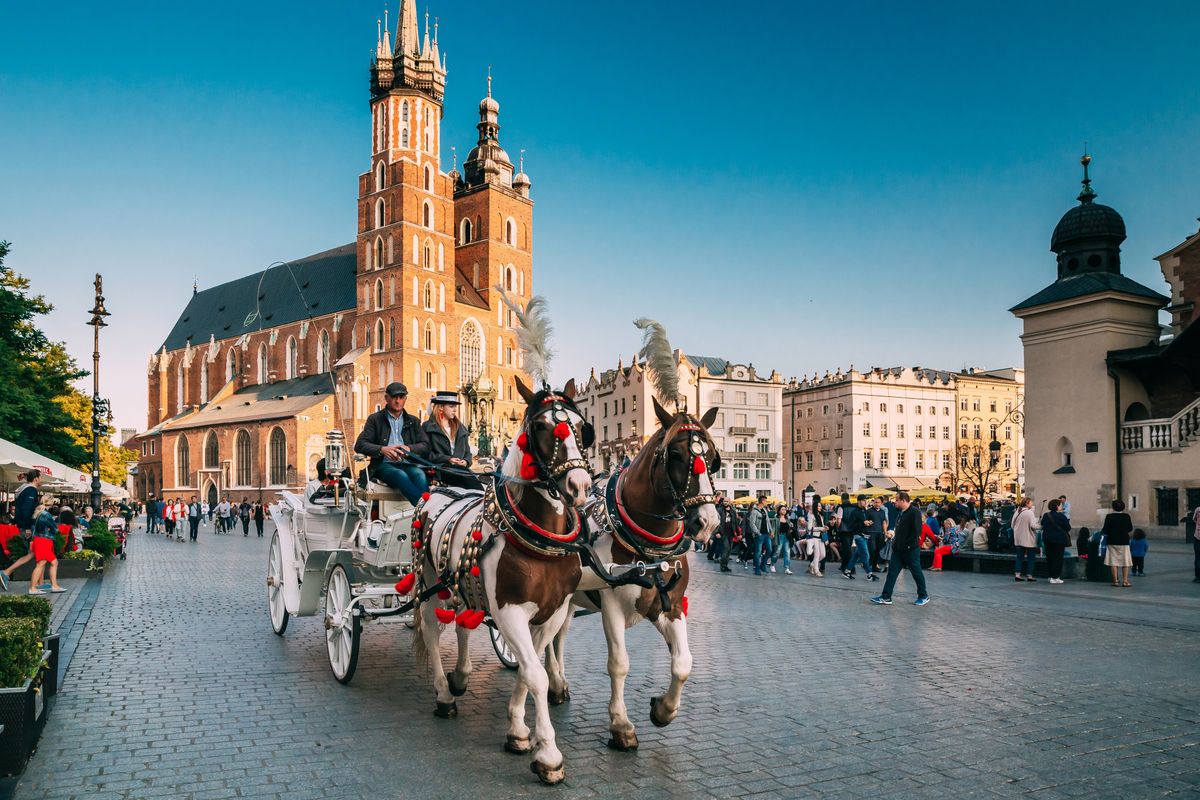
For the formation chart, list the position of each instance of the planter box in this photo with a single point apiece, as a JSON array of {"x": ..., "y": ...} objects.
[
  {"x": 23, "y": 715},
  {"x": 67, "y": 568}
]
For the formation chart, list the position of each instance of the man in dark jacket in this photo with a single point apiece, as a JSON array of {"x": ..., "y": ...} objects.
[
  {"x": 852, "y": 523},
  {"x": 725, "y": 531},
  {"x": 442, "y": 427},
  {"x": 389, "y": 436},
  {"x": 906, "y": 552}
]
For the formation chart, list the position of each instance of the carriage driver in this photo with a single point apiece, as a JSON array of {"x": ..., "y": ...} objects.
[
  {"x": 388, "y": 438},
  {"x": 449, "y": 444}
]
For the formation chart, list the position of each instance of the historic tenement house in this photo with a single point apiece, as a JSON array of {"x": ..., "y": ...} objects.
[{"x": 256, "y": 371}]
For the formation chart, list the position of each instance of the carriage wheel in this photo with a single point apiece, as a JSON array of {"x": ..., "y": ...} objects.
[
  {"x": 503, "y": 652},
  {"x": 343, "y": 628},
  {"x": 279, "y": 612}
]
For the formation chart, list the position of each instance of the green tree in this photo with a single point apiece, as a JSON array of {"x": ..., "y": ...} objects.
[
  {"x": 112, "y": 457},
  {"x": 34, "y": 373}
]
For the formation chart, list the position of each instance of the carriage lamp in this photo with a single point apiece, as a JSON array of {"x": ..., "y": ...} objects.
[{"x": 335, "y": 448}]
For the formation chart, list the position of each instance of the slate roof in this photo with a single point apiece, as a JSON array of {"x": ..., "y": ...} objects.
[
  {"x": 326, "y": 281},
  {"x": 1089, "y": 283},
  {"x": 715, "y": 366},
  {"x": 278, "y": 400}
]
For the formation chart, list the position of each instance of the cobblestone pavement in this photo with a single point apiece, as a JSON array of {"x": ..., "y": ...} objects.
[{"x": 801, "y": 688}]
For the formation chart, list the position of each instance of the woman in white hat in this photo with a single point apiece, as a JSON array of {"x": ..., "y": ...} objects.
[{"x": 449, "y": 442}]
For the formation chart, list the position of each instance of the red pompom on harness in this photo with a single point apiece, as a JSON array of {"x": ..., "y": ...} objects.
[
  {"x": 529, "y": 470},
  {"x": 444, "y": 615},
  {"x": 523, "y": 442},
  {"x": 416, "y": 524},
  {"x": 561, "y": 431},
  {"x": 425, "y": 496},
  {"x": 444, "y": 594},
  {"x": 405, "y": 584},
  {"x": 699, "y": 466},
  {"x": 470, "y": 619},
  {"x": 683, "y": 605}
]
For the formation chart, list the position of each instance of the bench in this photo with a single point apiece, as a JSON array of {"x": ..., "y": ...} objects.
[{"x": 1002, "y": 563}]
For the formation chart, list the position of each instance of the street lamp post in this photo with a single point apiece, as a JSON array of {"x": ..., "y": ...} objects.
[{"x": 99, "y": 404}]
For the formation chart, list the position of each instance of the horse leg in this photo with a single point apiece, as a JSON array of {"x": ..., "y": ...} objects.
[
  {"x": 457, "y": 679},
  {"x": 664, "y": 708},
  {"x": 431, "y": 634},
  {"x": 513, "y": 621},
  {"x": 517, "y": 739},
  {"x": 611, "y": 612},
  {"x": 560, "y": 692}
]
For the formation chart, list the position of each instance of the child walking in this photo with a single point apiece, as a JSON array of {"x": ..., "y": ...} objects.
[{"x": 1138, "y": 546}]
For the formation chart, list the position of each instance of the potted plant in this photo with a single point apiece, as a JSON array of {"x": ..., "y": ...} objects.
[
  {"x": 17, "y": 606},
  {"x": 23, "y": 663}
]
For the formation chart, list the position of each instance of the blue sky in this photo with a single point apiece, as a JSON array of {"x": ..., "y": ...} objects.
[{"x": 798, "y": 185}]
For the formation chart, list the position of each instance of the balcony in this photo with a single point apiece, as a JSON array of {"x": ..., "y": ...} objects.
[
  {"x": 728, "y": 456},
  {"x": 735, "y": 431},
  {"x": 1175, "y": 433}
]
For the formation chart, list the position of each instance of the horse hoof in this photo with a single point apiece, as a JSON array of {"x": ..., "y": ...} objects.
[
  {"x": 456, "y": 689},
  {"x": 517, "y": 745},
  {"x": 657, "y": 713},
  {"x": 446, "y": 710},
  {"x": 548, "y": 775},
  {"x": 623, "y": 741},
  {"x": 558, "y": 698}
]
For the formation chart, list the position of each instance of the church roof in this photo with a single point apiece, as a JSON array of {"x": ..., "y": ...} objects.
[
  {"x": 278, "y": 400},
  {"x": 277, "y": 294},
  {"x": 1089, "y": 283}
]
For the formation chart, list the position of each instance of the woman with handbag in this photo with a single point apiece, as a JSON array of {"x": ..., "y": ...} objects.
[
  {"x": 1056, "y": 535},
  {"x": 1025, "y": 541}
]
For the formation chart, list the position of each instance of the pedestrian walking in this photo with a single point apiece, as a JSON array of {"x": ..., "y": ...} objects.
[
  {"x": 783, "y": 540},
  {"x": 1139, "y": 545},
  {"x": 756, "y": 531},
  {"x": 25, "y": 506},
  {"x": 244, "y": 509},
  {"x": 1056, "y": 536},
  {"x": 1116, "y": 530},
  {"x": 152, "y": 513},
  {"x": 223, "y": 516},
  {"x": 194, "y": 513},
  {"x": 725, "y": 531},
  {"x": 205, "y": 511},
  {"x": 855, "y": 521},
  {"x": 877, "y": 528},
  {"x": 1025, "y": 541},
  {"x": 845, "y": 531},
  {"x": 906, "y": 553},
  {"x": 45, "y": 527},
  {"x": 260, "y": 517}
]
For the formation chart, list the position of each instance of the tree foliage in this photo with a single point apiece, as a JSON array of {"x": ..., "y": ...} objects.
[
  {"x": 112, "y": 457},
  {"x": 34, "y": 373}
]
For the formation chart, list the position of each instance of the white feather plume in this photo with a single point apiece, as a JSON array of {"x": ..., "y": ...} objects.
[
  {"x": 533, "y": 335},
  {"x": 659, "y": 358}
]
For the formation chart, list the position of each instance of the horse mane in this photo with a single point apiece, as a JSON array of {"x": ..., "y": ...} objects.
[
  {"x": 659, "y": 358},
  {"x": 533, "y": 335}
]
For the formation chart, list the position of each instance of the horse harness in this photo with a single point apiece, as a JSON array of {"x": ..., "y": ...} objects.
[{"x": 697, "y": 448}]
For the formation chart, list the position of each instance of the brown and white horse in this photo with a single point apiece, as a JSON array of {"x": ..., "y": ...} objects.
[
  {"x": 507, "y": 554},
  {"x": 641, "y": 514}
]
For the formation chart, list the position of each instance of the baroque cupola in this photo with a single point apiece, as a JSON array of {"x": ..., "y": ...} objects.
[
  {"x": 1088, "y": 237},
  {"x": 487, "y": 162}
]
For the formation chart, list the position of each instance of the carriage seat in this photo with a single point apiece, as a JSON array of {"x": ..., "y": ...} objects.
[{"x": 381, "y": 491}]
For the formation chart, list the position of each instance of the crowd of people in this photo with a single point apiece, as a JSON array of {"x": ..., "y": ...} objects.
[
  {"x": 38, "y": 520},
  {"x": 169, "y": 516}
]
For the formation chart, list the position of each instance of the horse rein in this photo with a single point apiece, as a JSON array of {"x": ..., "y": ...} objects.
[
  {"x": 561, "y": 463},
  {"x": 698, "y": 441}
]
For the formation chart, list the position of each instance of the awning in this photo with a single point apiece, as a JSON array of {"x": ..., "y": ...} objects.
[
  {"x": 900, "y": 483},
  {"x": 57, "y": 477}
]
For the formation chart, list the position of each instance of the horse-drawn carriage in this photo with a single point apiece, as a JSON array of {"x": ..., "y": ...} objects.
[{"x": 339, "y": 549}]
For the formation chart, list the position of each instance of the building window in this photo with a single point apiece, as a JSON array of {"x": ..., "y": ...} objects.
[
  {"x": 263, "y": 371},
  {"x": 837, "y": 459},
  {"x": 762, "y": 471},
  {"x": 808, "y": 433},
  {"x": 866, "y": 429},
  {"x": 741, "y": 446},
  {"x": 428, "y": 296},
  {"x": 841, "y": 407},
  {"x": 762, "y": 399},
  {"x": 718, "y": 396},
  {"x": 277, "y": 457},
  {"x": 510, "y": 236},
  {"x": 975, "y": 431},
  {"x": 1008, "y": 432},
  {"x": 212, "y": 453},
  {"x": 945, "y": 461},
  {"x": 840, "y": 431},
  {"x": 824, "y": 459},
  {"x": 933, "y": 431},
  {"x": 808, "y": 460},
  {"x": 917, "y": 409},
  {"x": 183, "y": 466},
  {"x": 974, "y": 405},
  {"x": 945, "y": 431},
  {"x": 379, "y": 340},
  {"x": 867, "y": 459},
  {"x": 962, "y": 404},
  {"x": 883, "y": 459},
  {"x": 378, "y": 253},
  {"x": 242, "y": 458},
  {"x": 824, "y": 431},
  {"x": 993, "y": 406},
  {"x": 379, "y": 176},
  {"x": 962, "y": 431},
  {"x": 323, "y": 363},
  {"x": 932, "y": 410},
  {"x": 901, "y": 458},
  {"x": 900, "y": 408},
  {"x": 427, "y": 215},
  {"x": 741, "y": 471},
  {"x": 899, "y": 431},
  {"x": 866, "y": 407},
  {"x": 465, "y": 232},
  {"x": 293, "y": 358},
  {"x": 739, "y": 398},
  {"x": 825, "y": 408},
  {"x": 883, "y": 407},
  {"x": 380, "y": 214},
  {"x": 797, "y": 462},
  {"x": 427, "y": 255},
  {"x": 918, "y": 431},
  {"x": 764, "y": 445},
  {"x": 883, "y": 430},
  {"x": 428, "y": 178},
  {"x": 808, "y": 412},
  {"x": 1008, "y": 462},
  {"x": 992, "y": 431},
  {"x": 470, "y": 353},
  {"x": 919, "y": 461},
  {"x": 230, "y": 364},
  {"x": 429, "y": 336}
]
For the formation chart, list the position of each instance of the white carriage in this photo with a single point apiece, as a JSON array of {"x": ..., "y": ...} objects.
[{"x": 340, "y": 552}]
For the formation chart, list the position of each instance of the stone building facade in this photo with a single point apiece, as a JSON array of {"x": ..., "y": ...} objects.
[{"x": 256, "y": 371}]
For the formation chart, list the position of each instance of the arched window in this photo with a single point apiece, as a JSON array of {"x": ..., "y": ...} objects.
[
  {"x": 243, "y": 458},
  {"x": 465, "y": 231},
  {"x": 391, "y": 335},
  {"x": 323, "y": 362},
  {"x": 428, "y": 379},
  {"x": 762, "y": 471},
  {"x": 510, "y": 233},
  {"x": 212, "y": 451},
  {"x": 470, "y": 352},
  {"x": 263, "y": 371},
  {"x": 277, "y": 457},
  {"x": 428, "y": 129},
  {"x": 429, "y": 336},
  {"x": 379, "y": 176},
  {"x": 428, "y": 178},
  {"x": 428, "y": 255},
  {"x": 378, "y": 335},
  {"x": 378, "y": 253},
  {"x": 427, "y": 215},
  {"x": 404, "y": 137},
  {"x": 741, "y": 471},
  {"x": 428, "y": 296},
  {"x": 292, "y": 368},
  {"x": 378, "y": 294},
  {"x": 183, "y": 467},
  {"x": 508, "y": 279},
  {"x": 379, "y": 213},
  {"x": 230, "y": 364}
]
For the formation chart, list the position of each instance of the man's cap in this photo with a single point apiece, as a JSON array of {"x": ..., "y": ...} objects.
[
  {"x": 447, "y": 398},
  {"x": 396, "y": 388},
  {"x": 863, "y": 497}
]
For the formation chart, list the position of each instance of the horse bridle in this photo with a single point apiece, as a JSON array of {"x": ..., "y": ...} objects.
[
  {"x": 559, "y": 408},
  {"x": 698, "y": 441}
]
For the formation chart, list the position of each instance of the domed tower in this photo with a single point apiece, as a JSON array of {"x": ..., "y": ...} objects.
[{"x": 1088, "y": 237}]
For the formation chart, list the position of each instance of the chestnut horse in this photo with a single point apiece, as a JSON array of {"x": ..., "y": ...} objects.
[
  {"x": 508, "y": 555},
  {"x": 641, "y": 514}
]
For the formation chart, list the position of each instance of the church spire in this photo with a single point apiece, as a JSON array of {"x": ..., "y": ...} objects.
[
  {"x": 1087, "y": 195},
  {"x": 406, "y": 38}
]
